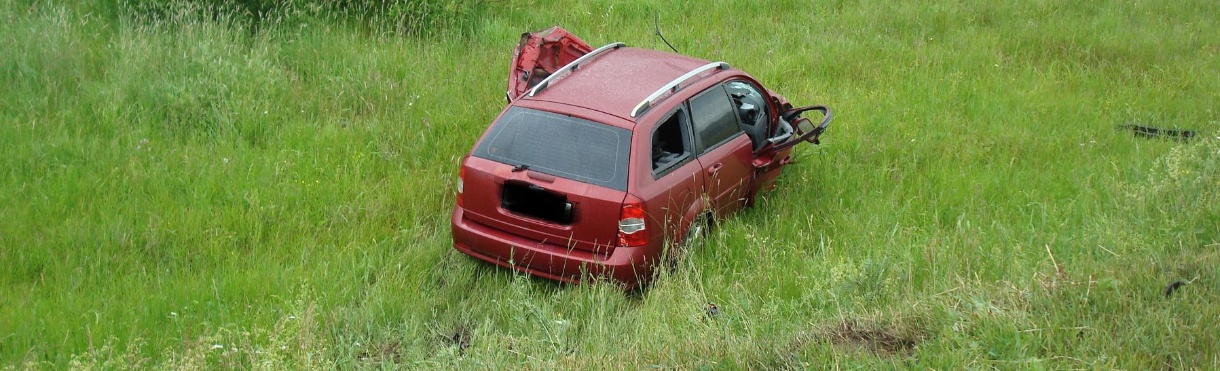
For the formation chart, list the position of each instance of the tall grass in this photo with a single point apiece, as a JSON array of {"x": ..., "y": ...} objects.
[
  {"x": 399, "y": 17},
  {"x": 195, "y": 192}
]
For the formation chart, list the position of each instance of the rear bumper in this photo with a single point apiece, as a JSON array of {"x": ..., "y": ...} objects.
[{"x": 627, "y": 265}]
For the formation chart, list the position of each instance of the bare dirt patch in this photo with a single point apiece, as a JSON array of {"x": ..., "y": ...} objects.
[
  {"x": 855, "y": 335},
  {"x": 878, "y": 340}
]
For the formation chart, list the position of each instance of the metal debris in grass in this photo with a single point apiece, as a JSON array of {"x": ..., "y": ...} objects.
[
  {"x": 1169, "y": 290},
  {"x": 459, "y": 337},
  {"x": 1191, "y": 264},
  {"x": 1173, "y": 287},
  {"x": 1151, "y": 132}
]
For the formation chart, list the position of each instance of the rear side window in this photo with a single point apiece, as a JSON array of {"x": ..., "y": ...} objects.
[
  {"x": 559, "y": 145},
  {"x": 714, "y": 118},
  {"x": 670, "y": 146}
]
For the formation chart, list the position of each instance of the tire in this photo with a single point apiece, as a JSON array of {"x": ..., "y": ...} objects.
[{"x": 695, "y": 236}]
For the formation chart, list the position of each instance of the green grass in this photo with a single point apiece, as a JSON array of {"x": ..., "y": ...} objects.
[{"x": 192, "y": 193}]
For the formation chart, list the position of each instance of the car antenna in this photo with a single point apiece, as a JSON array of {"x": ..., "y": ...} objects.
[{"x": 656, "y": 26}]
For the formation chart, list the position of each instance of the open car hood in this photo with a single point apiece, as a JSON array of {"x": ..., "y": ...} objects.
[{"x": 539, "y": 54}]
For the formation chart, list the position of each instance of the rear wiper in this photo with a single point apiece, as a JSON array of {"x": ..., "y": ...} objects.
[{"x": 521, "y": 167}]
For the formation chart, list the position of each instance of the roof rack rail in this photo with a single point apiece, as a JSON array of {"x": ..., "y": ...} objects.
[
  {"x": 673, "y": 85},
  {"x": 574, "y": 66}
]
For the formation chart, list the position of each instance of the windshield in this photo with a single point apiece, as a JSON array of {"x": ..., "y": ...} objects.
[{"x": 559, "y": 145}]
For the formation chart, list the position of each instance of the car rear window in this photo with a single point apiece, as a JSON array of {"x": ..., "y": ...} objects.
[{"x": 559, "y": 145}]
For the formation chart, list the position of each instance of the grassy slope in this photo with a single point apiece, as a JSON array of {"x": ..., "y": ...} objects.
[{"x": 195, "y": 195}]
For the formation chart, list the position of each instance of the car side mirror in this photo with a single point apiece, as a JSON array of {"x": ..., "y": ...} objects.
[{"x": 804, "y": 125}]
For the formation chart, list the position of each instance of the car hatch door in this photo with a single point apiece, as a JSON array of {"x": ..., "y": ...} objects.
[{"x": 539, "y": 54}]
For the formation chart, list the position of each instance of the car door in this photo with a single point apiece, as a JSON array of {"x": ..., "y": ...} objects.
[
  {"x": 773, "y": 132},
  {"x": 759, "y": 120},
  {"x": 673, "y": 185},
  {"x": 725, "y": 152}
]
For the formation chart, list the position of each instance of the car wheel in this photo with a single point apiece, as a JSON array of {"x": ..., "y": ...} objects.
[{"x": 695, "y": 236}]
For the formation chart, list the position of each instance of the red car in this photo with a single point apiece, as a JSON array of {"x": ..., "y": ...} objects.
[{"x": 605, "y": 157}]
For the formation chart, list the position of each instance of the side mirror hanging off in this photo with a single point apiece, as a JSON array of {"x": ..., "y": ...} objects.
[{"x": 804, "y": 128}]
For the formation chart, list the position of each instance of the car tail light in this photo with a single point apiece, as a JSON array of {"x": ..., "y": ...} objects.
[
  {"x": 460, "y": 183},
  {"x": 632, "y": 231}
]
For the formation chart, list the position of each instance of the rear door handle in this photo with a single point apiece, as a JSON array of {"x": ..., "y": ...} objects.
[{"x": 714, "y": 168}]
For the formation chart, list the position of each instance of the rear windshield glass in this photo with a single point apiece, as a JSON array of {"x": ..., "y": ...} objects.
[{"x": 559, "y": 145}]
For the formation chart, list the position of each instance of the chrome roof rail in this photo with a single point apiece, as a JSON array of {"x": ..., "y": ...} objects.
[
  {"x": 673, "y": 85},
  {"x": 574, "y": 66}
]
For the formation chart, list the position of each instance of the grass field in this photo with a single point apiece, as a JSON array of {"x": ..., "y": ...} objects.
[{"x": 193, "y": 192}]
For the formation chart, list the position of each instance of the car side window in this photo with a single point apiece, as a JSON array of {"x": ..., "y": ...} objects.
[
  {"x": 714, "y": 118},
  {"x": 749, "y": 102},
  {"x": 670, "y": 143},
  {"x": 751, "y": 108}
]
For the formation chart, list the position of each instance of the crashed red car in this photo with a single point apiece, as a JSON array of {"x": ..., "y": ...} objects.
[{"x": 605, "y": 158}]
